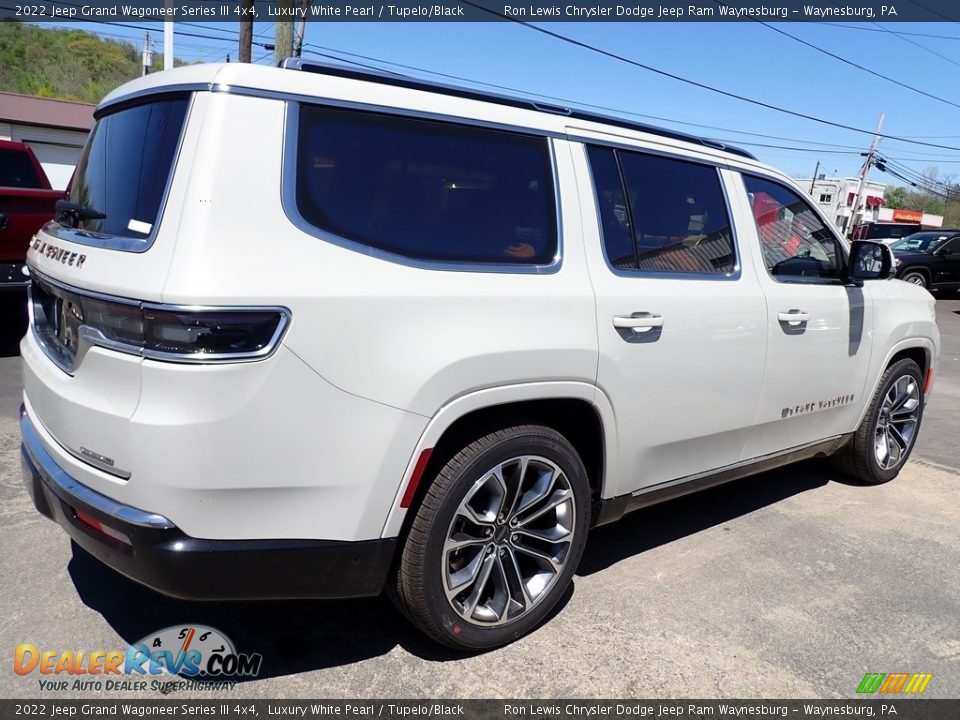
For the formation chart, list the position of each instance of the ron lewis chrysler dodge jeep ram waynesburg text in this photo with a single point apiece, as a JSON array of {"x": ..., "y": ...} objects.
[{"x": 422, "y": 339}]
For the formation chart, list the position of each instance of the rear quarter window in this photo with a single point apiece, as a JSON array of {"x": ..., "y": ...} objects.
[{"x": 427, "y": 190}]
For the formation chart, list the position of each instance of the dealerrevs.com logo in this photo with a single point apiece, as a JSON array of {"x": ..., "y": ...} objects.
[{"x": 201, "y": 654}]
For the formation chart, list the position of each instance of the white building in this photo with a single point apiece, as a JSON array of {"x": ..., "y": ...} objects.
[
  {"x": 836, "y": 196},
  {"x": 54, "y": 129}
]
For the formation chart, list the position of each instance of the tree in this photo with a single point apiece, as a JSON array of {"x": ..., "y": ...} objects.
[{"x": 895, "y": 197}]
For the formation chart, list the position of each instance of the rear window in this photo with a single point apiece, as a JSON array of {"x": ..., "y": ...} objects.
[
  {"x": 126, "y": 165},
  {"x": 17, "y": 171},
  {"x": 427, "y": 190},
  {"x": 888, "y": 231}
]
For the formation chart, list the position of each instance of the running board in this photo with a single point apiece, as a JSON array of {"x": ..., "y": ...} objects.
[{"x": 613, "y": 509}]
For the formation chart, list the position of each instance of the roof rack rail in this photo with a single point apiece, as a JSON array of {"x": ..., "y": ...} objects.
[{"x": 398, "y": 80}]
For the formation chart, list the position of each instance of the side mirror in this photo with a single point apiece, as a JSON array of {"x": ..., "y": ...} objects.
[{"x": 869, "y": 261}]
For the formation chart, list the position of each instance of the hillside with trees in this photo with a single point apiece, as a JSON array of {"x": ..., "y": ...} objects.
[{"x": 64, "y": 64}]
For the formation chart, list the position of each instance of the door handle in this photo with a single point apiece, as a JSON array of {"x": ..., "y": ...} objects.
[
  {"x": 640, "y": 321},
  {"x": 793, "y": 317}
]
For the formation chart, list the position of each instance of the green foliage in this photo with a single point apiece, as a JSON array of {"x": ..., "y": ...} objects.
[
  {"x": 895, "y": 197},
  {"x": 64, "y": 64}
]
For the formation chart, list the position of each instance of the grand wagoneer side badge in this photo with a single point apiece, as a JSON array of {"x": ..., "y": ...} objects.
[{"x": 817, "y": 406}]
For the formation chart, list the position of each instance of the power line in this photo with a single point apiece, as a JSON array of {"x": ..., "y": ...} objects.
[
  {"x": 899, "y": 32},
  {"x": 849, "y": 62},
  {"x": 914, "y": 42},
  {"x": 694, "y": 83},
  {"x": 606, "y": 108}
]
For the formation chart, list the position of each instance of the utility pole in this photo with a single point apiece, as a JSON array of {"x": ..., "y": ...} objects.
[
  {"x": 147, "y": 54},
  {"x": 863, "y": 177},
  {"x": 283, "y": 32},
  {"x": 246, "y": 30},
  {"x": 168, "y": 39},
  {"x": 814, "y": 181}
]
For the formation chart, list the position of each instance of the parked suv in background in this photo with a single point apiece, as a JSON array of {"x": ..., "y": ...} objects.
[
  {"x": 930, "y": 259},
  {"x": 388, "y": 334},
  {"x": 885, "y": 232}
]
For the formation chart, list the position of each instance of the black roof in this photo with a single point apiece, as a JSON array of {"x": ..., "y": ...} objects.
[{"x": 398, "y": 80}]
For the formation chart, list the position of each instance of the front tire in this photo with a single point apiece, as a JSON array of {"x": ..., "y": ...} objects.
[
  {"x": 915, "y": 277},
  {"x": 886, "y": 437},
  {"x": 496, "y": 540}
]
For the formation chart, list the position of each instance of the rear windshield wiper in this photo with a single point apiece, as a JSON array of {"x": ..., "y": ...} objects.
[{"x": 70, "y": 213}]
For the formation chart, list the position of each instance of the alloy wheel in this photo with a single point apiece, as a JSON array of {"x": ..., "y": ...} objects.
[
  {"x": 509, "y": 540},
  {"x": 897, "y": 422}
]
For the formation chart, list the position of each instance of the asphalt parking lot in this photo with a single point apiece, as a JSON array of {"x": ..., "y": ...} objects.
[{"x": 789, "y": 584}]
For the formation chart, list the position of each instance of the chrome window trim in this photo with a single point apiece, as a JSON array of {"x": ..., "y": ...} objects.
[
  {"x": 290, "y": 97},
  {"x": 91, "y": 337},
  {"x": 288, "y": 196},
  {"x": 121, "y": 242},
  {"x": 64, "y": 485},
  {"x": 733, "y": 275},
  {"x": 841, "y": 244}
]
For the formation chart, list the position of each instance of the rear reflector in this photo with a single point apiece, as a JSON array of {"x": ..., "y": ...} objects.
[
  {"x": 415, "y": 478},
  {"x": 94, "y": 524},
  {"x": 929, "y": 382}
]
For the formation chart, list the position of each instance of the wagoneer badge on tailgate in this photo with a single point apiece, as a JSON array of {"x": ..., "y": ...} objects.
[{"x": 58, "y": 254}]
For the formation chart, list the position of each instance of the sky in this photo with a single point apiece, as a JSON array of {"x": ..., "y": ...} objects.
[{"x": 746, "y": 58}]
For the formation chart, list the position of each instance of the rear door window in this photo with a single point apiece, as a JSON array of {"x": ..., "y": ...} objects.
[
  {"x": 427, "y": 190},
  {"x": 126, "y": 165},
  {"x": 662, "y": 215}
]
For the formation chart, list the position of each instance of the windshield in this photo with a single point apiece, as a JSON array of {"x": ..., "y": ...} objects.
[
  {"x": 921, "y": 242},
  {"x": 126, "y": 164}
]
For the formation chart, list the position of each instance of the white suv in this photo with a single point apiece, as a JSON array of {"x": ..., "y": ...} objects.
[{"x": 310, "y": 332}]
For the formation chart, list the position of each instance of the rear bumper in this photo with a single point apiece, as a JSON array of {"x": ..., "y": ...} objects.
[{"x": 162, "y": 557}]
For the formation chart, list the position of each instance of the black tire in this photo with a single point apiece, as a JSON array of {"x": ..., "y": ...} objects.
[
  {"x": 859, "y": 459},
  {"x": 916, "y": 277},
  {"x": 418, "y": 584}
]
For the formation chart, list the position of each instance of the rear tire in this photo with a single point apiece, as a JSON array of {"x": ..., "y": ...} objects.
[
  {"x": 886, "y": 437},
  {"x": 486, "y": 557},
  {"x": 915, "y": 277}
]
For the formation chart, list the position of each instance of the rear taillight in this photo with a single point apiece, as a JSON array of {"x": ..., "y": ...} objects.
[
  {"x": 70, "y": 320},
  {"x": 207, "y": 334}
]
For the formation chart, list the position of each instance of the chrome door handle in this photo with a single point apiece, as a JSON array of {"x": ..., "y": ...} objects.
[
  {"x": 640, "y": 321},
  {"x": 793, "y": 317}
]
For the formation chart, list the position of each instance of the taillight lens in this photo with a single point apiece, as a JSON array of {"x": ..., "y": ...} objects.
[
  {"x": 210, "y": 333},
  {"x": 68, "y": 320}
]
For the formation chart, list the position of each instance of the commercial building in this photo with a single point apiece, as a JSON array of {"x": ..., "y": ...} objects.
[{"x": 54, "y": 129}]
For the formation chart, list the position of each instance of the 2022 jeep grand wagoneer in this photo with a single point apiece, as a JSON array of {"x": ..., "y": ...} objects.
[{"x": 310, "y": 332}]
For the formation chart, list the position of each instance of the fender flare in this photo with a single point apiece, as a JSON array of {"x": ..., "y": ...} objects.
[{"x": 463, "y": 405}]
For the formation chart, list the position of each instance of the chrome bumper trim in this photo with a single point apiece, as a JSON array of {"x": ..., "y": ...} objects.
[{"x": 66, "y": 487}]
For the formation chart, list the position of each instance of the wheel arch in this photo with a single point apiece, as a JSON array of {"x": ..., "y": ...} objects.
[
  {"x": 920, "y": 350},
  {"x": 579, "y": 411},
  {"x": 925, "y": 271}
]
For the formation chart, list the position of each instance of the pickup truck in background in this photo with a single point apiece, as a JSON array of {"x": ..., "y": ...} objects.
[{"x": 26, "y": 203}]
